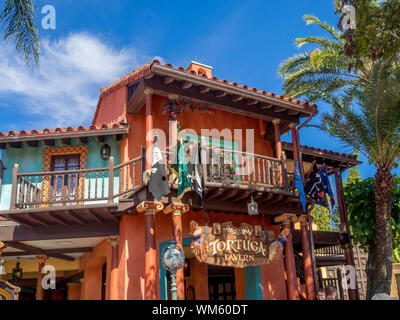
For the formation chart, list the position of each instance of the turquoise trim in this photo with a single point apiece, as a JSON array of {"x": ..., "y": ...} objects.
[
  {"x": 252, "y": 281},
  {"x": 163, "y": 273}
]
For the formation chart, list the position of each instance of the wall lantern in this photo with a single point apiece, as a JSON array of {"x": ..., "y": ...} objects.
[
  {"x": 105, "y": 152},
  {"x": 17, "y": 273},
  {"x": 173, "y": 259}
]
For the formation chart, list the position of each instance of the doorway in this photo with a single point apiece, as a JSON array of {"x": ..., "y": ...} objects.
[{"x": 221, "y": 283}]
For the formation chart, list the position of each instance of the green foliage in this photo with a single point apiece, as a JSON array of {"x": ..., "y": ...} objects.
[
  {"x": 374, "y": 127},
  {"x": 325, "y": 219},
  {"x": 360, "y": 204},
  {"x": 321, "y": 73},
  {"x": 18, "y": 16},
  {"x": 377, "y": 32}
]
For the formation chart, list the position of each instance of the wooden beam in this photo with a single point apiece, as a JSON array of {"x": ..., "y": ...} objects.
[
  {"x": 77, "y": 217},
  {"x": 168, "y": 80},
  {"x": 49, "y": 252},
  {"x": 251, "y": 102},
  {"x": 32, "y": 144},
  {"x": 216, "y": 193},
  {"x": 229, "y": 194},
  {"x": 95, "y": 216},
  {"x": 49, "y": 142},
  {"x": 241, "y": 196},
  {"x": 237, "y": 98},
  {"x": 39, "y": 220},
  {"x": 221, "y": 94},
  {"x": 35, "y": 250},
  {"x": 203, "y": 90},
  {"x": 292, "y": 112},
  {"x": 279, "y": 109},
  {"x": 66, "y": 141},
  {"x": 100, "y": 138},
  {"x": 186, "y": 85},
  {"x": 82, "y": 140},
  {"x": 54, "y": 216},
  {"x": 266, "y": 106},
  {"x": 16, "y": 145}
]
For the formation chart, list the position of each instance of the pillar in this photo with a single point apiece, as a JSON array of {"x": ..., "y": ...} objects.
[
  {"x": 297, "y": 156},
  {"x": 114, "y": 290},
  {"x": 150, "y": 260},
  {"x": 149, "y": 126},
  {"x": 278, "y": 145},
  {"x": 39, "y": 288},
  {"x": 286, "y": 220},
  {"x": 177, "y": 209},
  {"x": 73, "y": 291},
  {"x": 348, "y": 248},
  {"x": 308, "y": 270}
]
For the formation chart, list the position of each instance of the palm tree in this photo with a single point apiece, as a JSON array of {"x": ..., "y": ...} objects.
[
  {"x": 373, "y": 128},
  {"x": 18, "y": 18},
  {"x": 320, "y": 73}
]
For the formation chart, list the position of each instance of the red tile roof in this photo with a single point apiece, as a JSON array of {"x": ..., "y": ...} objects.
[
  {"x": 146, "y": 69},
  {"x": 117, "y": 127}
]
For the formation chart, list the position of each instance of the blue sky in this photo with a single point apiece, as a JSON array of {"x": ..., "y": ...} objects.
[{"x": 96, "y": 42}]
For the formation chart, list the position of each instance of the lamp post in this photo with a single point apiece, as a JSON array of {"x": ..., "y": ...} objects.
[{"x": 173, "y": 259}]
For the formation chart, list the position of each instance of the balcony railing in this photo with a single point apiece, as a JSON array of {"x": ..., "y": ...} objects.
[
  {"x": 223, "y": 167},
  {"x": 75, "y": 187}
]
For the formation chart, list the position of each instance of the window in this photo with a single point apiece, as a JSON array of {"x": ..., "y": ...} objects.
[{"x": 64, "y": 184}]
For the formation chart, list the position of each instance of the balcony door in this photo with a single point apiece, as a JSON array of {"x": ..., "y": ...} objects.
[{"x": 64, "y": 186}]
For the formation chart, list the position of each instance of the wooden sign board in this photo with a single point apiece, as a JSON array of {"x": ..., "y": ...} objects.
[{"x": 230, "y": 246}]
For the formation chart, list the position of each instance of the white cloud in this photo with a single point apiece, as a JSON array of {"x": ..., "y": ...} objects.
[{"x": 64, "y": 91}]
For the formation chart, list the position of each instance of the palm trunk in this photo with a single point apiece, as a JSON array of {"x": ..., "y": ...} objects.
[
  {"x": 370, "y": 270},
  {"x": 382, "y": 277}
]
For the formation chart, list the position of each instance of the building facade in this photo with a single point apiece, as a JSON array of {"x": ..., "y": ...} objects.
[{"x": 77, "y": 199}]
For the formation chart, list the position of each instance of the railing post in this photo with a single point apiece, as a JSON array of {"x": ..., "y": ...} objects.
[
  {"x": 110, "y": 180},
  {"x": 14, "y": 188},
  {"x": 284, "y": 178}
]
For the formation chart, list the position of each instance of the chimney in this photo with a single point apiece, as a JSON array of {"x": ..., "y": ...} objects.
[{"x": 200, "y": 69}]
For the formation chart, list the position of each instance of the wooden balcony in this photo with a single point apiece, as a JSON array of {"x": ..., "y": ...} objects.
[
  {"x": 232, "y": 177},
  {"x": 99, "y": 195},
  {"x": 75, "y": 196}
]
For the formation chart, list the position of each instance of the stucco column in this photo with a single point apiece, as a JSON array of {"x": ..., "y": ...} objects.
[
  {"x": 286, "y": 220},
  {"x": 177, "y": 209},
  {"x": 114, "y": 290},
  {"x": 348, "y": 248},
  {"x": 308, "y": 270},
  {"x": 150, "y": 260},
  {"x": 73, "y": 291},
  {"x": 149, "y": 126},
  {"x": 39, "y": 288}
]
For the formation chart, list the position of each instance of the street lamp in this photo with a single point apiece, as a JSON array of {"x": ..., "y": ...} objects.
[{"x": 173, "y": 259}]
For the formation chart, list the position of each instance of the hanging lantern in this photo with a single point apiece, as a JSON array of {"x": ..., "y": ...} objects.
[
  {"x": 105, "y": 152},
  {"x": 252, "y": 207},
  {"x": 17, "y": 273}
]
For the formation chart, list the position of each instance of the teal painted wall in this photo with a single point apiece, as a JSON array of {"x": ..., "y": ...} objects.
[
  {"x": 31, "y": 160},
  {"x": 252, "y": 279}
]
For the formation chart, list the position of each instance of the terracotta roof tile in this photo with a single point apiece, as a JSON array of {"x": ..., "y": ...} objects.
[
  {"x": 146, "y": 69},
  {"x": 37, "y": 133}
]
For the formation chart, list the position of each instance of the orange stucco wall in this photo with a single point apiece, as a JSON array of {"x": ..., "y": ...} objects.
[
  {"x": 131, "y": 255},
  {"x": 91, "y": 264},
  {"x": 111, "y": 108},
  {"x": 74, "y": 291}
]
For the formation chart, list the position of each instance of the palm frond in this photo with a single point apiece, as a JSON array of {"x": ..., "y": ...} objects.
[{"x": 18, "y": 18}]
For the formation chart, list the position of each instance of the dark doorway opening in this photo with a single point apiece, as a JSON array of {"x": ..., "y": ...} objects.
[{"x": 221, "y": 283}]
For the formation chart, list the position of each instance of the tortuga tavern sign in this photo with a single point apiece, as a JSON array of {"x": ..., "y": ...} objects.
[{"x": 230, "y": 246}]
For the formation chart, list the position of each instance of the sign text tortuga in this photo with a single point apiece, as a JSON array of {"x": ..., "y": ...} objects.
[{"x": 227, "y": 245}]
